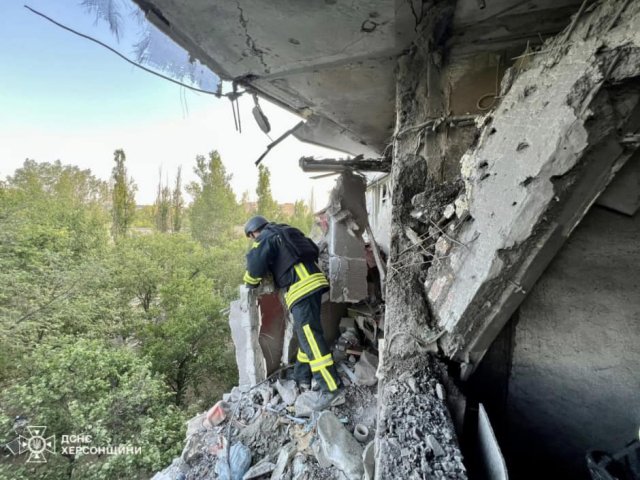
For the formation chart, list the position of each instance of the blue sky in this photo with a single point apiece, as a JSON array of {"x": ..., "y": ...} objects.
[{"x": 63, "y": 97}]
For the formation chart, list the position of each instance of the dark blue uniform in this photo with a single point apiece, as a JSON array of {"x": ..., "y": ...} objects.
[{"x": 291, "y": 258}]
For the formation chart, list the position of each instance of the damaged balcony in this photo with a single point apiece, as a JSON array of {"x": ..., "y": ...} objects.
[{"x": 506, "y": 285}]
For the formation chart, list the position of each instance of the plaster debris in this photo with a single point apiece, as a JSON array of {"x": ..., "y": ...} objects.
[
  {"x": 368, "y": 461},
  {"x": 365, "y": 369},
  {"x": 284, "y": 457},
  {"x": 287, "y": 391},
  {"x": 339, "y": 446},
  {"x": 268, "y": 424},
  {"x": 415, "y": 435},
  {"x": 260, "y": 469}
]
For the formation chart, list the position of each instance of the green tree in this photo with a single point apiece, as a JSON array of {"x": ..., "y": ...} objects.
[
  {"x": 188, "y": 346},
  {"x": 145, "y": 217},
  {"x": 162, "y": 206},
  {"x": 88, "y": 387},
  {"x": 267, "y": 206},
  {"x": 124, "y": 204},
  {"x": 177, "y": 203},
  {"x": 53, "y": 225},
  {"x": 178, "y": 289},
  {"x": 214, "y": 212},
  {"x": 302, "y": 217}
]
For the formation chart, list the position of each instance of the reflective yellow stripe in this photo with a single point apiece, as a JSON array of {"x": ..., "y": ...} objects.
[
  {"x": 320, "y": 360},
  {"x": 315, "y": 350},
  {"x": 321, "y": 363},
  {"x": 291, "y": 297},
  {"x": 331, "y": 383},
  {"x": 307, "y": 283},
  {"x": 302, "y": 357},
  {"x": 303, "y": 284},
  {"x": 329, "y": 380},
  {"x": 249, "y": 279},
  {"x": 255, "y": 244},
  {"x": 301, "y": 270},
  {"x": 316, "y": 277}
]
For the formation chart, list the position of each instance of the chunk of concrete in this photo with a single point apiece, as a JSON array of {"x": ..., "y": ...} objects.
[
  {"x": 339, "y": 446},
  {"x": 284, "y": 457},
  {"x": 259, "y": 469},
  {"x": 172, "y": 472},
  {"x": 435, "y": 446},
  {"x": 195, "y": 425},
  {"x": 323, "y": 461},
  {"x": 299, "y": 466},
  {"x": 304, "y": 403},
  {"x": 347, "y": 323},
  {"x": 369, "y": 461},
  {"x": 366, "y": 368},
  {"x": 287, "y": 391}
]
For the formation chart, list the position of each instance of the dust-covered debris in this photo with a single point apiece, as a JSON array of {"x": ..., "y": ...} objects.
[
  {"x": 282, "y": 444},
  {"x": 416, "y": 436}
]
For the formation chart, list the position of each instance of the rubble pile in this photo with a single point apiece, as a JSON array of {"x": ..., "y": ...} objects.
[
  {"x": 273, "y": 433},
  {"x": 417, "y": 435}
]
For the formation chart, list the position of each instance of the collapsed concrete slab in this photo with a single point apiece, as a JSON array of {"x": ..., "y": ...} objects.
[{"x": 542, "y": 159}]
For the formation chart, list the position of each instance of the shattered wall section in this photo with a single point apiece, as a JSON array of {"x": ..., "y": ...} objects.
[
  {"x": 543, "y": 157},
  {"x": 244, "y": 320},
  {"x": 415, "y": 437},
  {"x": 347, "y": 222}
]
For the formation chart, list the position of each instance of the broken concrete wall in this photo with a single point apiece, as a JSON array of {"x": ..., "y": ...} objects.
[
  {"x": 262, "y": 333},
  {"x": 413, "y": 441},
  {"x": 347, "y": 223},
  {"x": 244, "y": 320},
  {"x": 543, "y": 157},
  {"x": 273, "y": 323},
  {"x": 463, "y": 257}
]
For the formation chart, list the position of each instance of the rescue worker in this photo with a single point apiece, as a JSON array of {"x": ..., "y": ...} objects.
[{"x": 291, "y": 259}]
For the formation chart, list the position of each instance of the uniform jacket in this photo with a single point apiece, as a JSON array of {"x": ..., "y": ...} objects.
[{"x": 290, "y": 257}]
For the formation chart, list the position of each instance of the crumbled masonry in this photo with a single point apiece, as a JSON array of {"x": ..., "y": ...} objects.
[{"x": 282, "y": 445}]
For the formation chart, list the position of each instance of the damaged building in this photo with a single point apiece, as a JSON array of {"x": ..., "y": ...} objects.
[{"x": 500, "y": 226}]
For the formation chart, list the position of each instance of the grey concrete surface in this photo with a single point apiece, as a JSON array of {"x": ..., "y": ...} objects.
[
  {"x": 574, "y": 382},
  {"x": 548, "y": 151},
  {"x": 334, "y": 61},
  {"x": 244, "y": 320}
]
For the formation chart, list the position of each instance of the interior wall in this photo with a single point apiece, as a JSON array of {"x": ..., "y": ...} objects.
[{"x": 573, "y": 383}]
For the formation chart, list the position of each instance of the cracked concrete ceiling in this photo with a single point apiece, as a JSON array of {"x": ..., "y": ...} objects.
[{"x": 333, "y": 61}]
